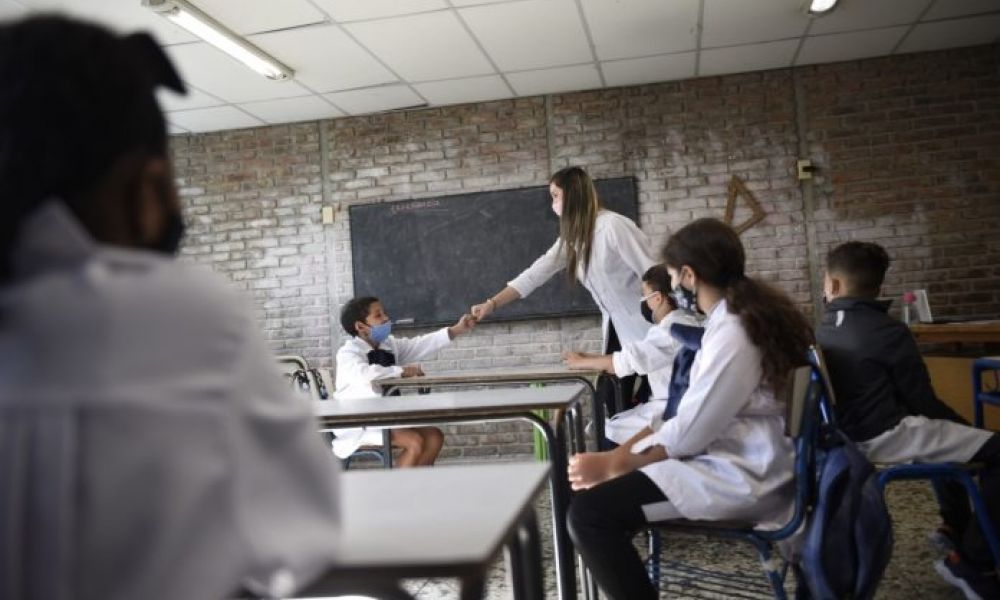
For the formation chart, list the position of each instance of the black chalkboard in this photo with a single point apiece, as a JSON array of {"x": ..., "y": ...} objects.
[{"x": 431, "y": 259}]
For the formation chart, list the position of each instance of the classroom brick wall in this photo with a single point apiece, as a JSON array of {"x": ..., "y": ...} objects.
[{"x": 906, "y": 146}]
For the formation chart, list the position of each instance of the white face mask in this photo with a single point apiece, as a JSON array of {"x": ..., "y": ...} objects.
[{"x": 557, "y": 201}]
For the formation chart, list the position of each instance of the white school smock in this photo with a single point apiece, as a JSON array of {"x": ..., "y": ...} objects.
[
  {"x": 652, "y": 356},
  {"x": 355, "y": 376},
  {"x": 149, "y": 447},
  {"x": 728, "y": 454},
  {"x": 619, "y": 256}
]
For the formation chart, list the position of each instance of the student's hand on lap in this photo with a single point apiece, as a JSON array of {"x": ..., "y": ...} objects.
[
  {"x": 413, "y": 371},
  {"x": 593, "y": 468}
]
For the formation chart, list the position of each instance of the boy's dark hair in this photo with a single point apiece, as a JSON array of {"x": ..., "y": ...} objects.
[
  {"x": 863, "y": 264},
  {"x": 658, "y": 279},
  {"x": 354, "y": 311},
  {"x": 75, "y": 98}
]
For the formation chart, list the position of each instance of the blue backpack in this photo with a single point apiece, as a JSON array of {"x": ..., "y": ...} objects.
[{"x": 848, "y": 539}]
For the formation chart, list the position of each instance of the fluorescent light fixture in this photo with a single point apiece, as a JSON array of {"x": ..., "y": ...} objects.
[
  {"x": 181, "y": 12},
  {"x": 820, "y": 7}
]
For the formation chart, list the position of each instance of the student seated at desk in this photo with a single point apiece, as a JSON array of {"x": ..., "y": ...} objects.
[
  {"x": 885, "y": 402},
  {"x": 150, "y": 448},
  {"x": 725, "y": 455},
  {"x": 652, "y": 356},
  {"x": 372, "y": 354}
]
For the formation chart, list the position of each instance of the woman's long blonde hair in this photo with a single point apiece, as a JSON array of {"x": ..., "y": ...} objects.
[{"x": 579, "y": 217}]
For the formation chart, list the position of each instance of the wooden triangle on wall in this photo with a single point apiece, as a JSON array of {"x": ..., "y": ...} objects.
[{"x": 736, "y": 189}]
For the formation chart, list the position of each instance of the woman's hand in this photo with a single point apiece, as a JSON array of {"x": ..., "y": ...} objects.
[
  {"x": 592, "y": 468},
  {"x": 483, "y": 310}
]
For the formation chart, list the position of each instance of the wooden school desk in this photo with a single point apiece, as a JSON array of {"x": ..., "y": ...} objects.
[
  {"x": 504, "y": 378},
  {"x": 485, "y": 405},
  {"x": 448, "y": 521},
  {"x": 972, "y": 332}
]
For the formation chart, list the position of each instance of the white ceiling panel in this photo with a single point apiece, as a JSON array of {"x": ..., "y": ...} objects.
[
  {"x": 213, "y": 119},
  {"x": 850, "y": 46},
  {"x": 952, "y": 34},
  {"x": 193, "y": 99},
  {"x": 124, "y": 16},
  {"x": 461, "y": 91},
  {"x": 753, "y": 57},
  {"x": 550, "y": 81},
  {"x": 325, "y": 58},
  {"x": 728, "y": 23},
  {"x": 252, "y": 16},
  {"x": 520, "y": 35},
  {"x": 358, "y": 10},
  {"x": 943, "y": 9},
  {"x": 856, "y": 14},
  {"x": 651, "y": 69},
  {"x": 645, "y": 28},
  {"x": 291, "y": 110},
  {"x": 375, "y": 99},
  {"x": 423, "y": 47},
  {"x": 216, "y": 73},
  {"x": 10, "y": 10}
]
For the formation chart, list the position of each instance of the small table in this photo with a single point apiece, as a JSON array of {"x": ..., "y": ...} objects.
[
  {"x": 509, "y": 377},
  {"x": 485, "y": 405},
  {"x": 453, "y": 523}
]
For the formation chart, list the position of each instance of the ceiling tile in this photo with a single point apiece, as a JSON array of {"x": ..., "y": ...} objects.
[
  {"x": 850, "y": 46},
  {"x": 943, "y": 9},
  {"x": 667, "y": 67},
  {"x": 211, "y": 70},
  {"x": 952, "y": 34},
  {"x": 752, "y": 57},
  {"x": 290, "y": 110},
  {"x": 460, "y": 91},
  {"x": 550, "y": 81},
  {"x": 520, "y": 35},
  {"x": 868, "y": 14},
  {"x": 122, "y": 16},
  {"x": 375, "y": 99},
  {"x": 213, "y": 119},
  {"x": 357, "y": 10},
  {"x": 325, "y": 58},
  {"x": 728, "y": 23},
  {"x": 423, "y": 47},
  {"x": 9, "y": 10},
  {"x": 647, "y": 27},
  {"x": 251, "y": 16},
  {"x": 193, "y": 99}
]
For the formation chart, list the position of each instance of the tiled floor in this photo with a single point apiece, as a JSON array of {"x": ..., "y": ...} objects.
[{"x": 910, "y": 574}]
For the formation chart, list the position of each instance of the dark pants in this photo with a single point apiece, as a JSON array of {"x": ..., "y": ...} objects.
[
  {"x": 972, "y": 543},
  {"x": 602, "y": 522}
]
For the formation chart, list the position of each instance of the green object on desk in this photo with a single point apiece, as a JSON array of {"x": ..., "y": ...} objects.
[{"x": 541, "y": 447}]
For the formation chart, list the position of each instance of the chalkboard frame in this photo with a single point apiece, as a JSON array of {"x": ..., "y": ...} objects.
[{"x": 618, "y": 194}]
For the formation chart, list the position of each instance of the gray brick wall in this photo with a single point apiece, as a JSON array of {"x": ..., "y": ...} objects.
[{"x": 907, "y": 148}]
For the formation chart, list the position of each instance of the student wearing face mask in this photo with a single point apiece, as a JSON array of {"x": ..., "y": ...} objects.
[
  {"x": 654, "y": 356},
  {"x": 599, "y": 248},
  {"x": 725, "y": 454},
  {"x": 373, "y": 353}
]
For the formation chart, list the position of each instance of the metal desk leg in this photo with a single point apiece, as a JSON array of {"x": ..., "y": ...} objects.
[
  {"x": 387, "y": 447},
  {"x": 472, "y": 587},
  {"x": 524, "y": 559}
]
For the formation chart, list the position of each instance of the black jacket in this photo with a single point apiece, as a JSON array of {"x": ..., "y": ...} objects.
[{"x": 876, "y": 370}]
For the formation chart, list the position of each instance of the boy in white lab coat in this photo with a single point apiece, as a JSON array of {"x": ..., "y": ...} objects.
[
  {"x": 652, "y": 356},
  {"x": 372, "y": 354}
]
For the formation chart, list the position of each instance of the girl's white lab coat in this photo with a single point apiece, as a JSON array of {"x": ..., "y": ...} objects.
[
  {"x": 620, "y": 255},
  {"x": 149, "y": 446},
  {"x": 355, "y": 376},
  {"x": 652, "y": 356},
  {"x": 728, "y": 454}
]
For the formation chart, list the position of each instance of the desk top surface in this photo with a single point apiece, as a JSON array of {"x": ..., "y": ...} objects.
[
  {"x": 969, "y": 331},
  {"x": 446, "y": 516},
  {"x": 519, "y": 374},
  {"x": 442, "y": 404}
]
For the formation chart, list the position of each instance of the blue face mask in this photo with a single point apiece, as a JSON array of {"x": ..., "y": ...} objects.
[{"x": 379, "y": 333}]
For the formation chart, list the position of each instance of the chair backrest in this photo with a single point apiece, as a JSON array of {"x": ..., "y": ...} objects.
[
  {"x": 303, "y": 377},
  {"x": 829, "y": 399}
]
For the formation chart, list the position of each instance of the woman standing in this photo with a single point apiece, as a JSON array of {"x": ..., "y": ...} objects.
[
  {"x": 725, "y": 455},
  {"x": 601, "y": 249}
]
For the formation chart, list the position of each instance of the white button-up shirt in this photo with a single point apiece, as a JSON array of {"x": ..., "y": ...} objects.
[
  {"x": 653, "y": 355},
  {"x": 619, "y": 256},
  {"x": 148, "y": 446},
  {"x": 729, "y": 457}
]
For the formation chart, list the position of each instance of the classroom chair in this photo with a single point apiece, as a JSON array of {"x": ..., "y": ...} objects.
[
  {"x": 804, "y": 409},
  {"x": 980, "y": 397}
]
